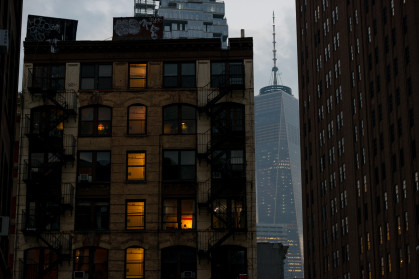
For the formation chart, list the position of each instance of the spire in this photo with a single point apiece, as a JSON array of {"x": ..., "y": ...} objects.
[{"x": 274, "y": 68}]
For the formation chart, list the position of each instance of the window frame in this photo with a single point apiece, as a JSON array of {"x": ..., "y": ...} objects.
[
  {"x": 180, "y": 121},
  {"x": 143, "y": 215},
  {"x": 179, "y": 78},
  {"x": 179, "y": 214},
  {"x": 48, "y": 77},
  {"x": 95, "y": 122},
  {"x": 91, "y": 262},
  {"x": 142, "y": 120},
  {"x": 137, "y": 77},
  {"x": 226, "y": 76},
  {"x": 141, "y": 276},
  {"x": 92, "y": 214},
  {"x": 97, "y": 84},
  {"x": 94, "y": 167},
  {"x": 167, "y": 172},
  {"x": 136, "y": 166}
]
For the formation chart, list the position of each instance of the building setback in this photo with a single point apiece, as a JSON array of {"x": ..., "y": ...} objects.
[
  {"x": 358, "y": 68},
  {"x": 137, "y": 160},
  {"x": 10, "y": 26}
]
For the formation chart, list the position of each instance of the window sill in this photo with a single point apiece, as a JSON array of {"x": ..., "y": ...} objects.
[
  {"x": 136, "y": 181},
  {"x": 136, "y": 135}
]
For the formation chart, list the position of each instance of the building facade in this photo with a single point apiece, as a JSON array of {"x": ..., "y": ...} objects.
[
  {"x": 188, "y": 19},
  {"x": 278, "y": 182},
  {"x": 10, "y": 29},
  {"x": 359, "y": 118},
  {"x": 137, "y": 160}
]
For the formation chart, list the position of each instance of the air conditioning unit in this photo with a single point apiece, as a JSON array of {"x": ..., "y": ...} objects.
[
  {"x": 4, "y": 225},
  {"x": 85, "y": 178},
  {"x": 188, "y": 275},
  {"x": 80, "y": 275}
]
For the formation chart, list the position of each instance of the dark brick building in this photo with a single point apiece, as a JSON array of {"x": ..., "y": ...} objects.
[
  {"x": 10, "y": 27},
  {"x": 358, "y": 68}
]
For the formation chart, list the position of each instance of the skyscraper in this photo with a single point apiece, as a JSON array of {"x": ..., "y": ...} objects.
[
  {"x": 358, "y": 68},
  {"x": 278, "y": 182},
  {"x": 188, "y": 19}
]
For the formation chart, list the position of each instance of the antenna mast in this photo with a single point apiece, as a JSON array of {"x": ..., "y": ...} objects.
[{"x": 274, "y": 68}]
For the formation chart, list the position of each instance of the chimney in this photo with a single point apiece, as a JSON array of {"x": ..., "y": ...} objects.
[{"x": 242, "y": 33}]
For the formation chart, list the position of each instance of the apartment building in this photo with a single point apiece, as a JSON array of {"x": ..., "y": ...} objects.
[
  {"x": 358, "y": 64},
  {"x": 137, "y": 160}
]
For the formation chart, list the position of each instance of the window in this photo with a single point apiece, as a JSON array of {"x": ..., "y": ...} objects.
[
  {"x": 227, "y": 74},
  {"x": 137, "y": 75},
  {"x": 179, "y": 75},
  {"x": 178, "y": 262},
  {"x": 39, "y": 263},
  {"x": 228, "y": 213},
  {"x": 179, "y": 165},
  {"x": 95, "y": 122},
  {"x": 92, "y": 215},
  {"x": 48, "y": 77},
  {"x": 46, "y": 121},
  {"x": 137, "y": 115},
  {"x": 92, "y": 260},
  {"x": 228, "y": 164},
  {"x": 135, "y": 215},
  {"x": 136, "y": 166},
  {"x": 134, "y": 263},
  {"x": 179, "y": 119},
  {"x": 229, "y": 262},
  {"x": 178, "y": 214},
  {"x": 94, "y": 166},
  {"x": 96, "y": 76},
  {"x": 228, "y": 119}
]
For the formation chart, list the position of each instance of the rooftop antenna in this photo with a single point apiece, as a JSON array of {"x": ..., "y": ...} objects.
[{"x": 274, "y": 68}]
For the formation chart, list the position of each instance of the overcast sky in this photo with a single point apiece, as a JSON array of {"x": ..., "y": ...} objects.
[{"x": 255, "y": 16}]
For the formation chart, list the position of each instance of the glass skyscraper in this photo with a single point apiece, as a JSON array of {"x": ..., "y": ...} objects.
[{"x": 278, "y": 181}]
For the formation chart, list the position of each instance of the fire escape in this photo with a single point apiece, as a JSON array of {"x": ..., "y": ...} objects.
[
  {"x": 228, "y": 180},
  {"x": 50, "y": 149}
]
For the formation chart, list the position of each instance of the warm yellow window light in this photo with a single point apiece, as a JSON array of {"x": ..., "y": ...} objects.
[
  {"x": 100, "y": 127},
  {"x": 134, "y": 263},
  {"x": 184, "y": 126},
  {"x": 60, "y": 126},
  {"x": 135, "y": 215},
  {"x": 136, "y": 166}
]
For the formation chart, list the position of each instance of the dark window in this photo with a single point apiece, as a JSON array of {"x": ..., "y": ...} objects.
[
  {"x": 228, "y": 164},
  {"x": 178, "y": 262},
  {"x": 96, "y": 76},
  {"x": 94, "y": 166},
  {"x": 227, "y": 74},
  {"x": 178, "y": 214},
  {"x": 228, "y": 213},
  {"x": 137, "y": 116},
  {"x": 47, "y": 122},
  {"x": 92, "y": 260},
  {"x": 134, "y": 263},
  {"x": 229, "y": 262},
  {"x": 228, "y": 119},
  {"x": 91, "y": 215},
  {"x": 179, "y": 165},
  {"x": 135, "y": 214},
  {"x": 136, "y": 166},
  {"x": 39, "y": 263},
  {"x": 137, "y": 75},
  {"x": 95, "y": 122},
  {"x": 179, "y": 119},
  {"x": 179, "y": 75},
  {"x": 48, "y": 77}
]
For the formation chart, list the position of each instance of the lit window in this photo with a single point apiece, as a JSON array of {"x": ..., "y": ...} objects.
[
  {"x": 137, "y": 75},
  {"x": 399, "y": 226},
  {"x": 135, "y": 215},
  {"x": 228, "y": 213},
  {"x": 136, "y": 166},
  {"x": 95, "y": 122},
  {"x": 134, "y": 263},
  {"x": 178, "y": 214},
  {"x": 137, "y": 120},
  {"x": 92, "y": 260},
  {"x": 179, "y": 119}
]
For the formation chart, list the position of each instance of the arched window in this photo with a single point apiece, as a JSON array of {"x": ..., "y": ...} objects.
[
  {"x": 137, "y": 115},
  {"x": 179, "y": 119},
  {"x": 134, "y": 263},
  {"x": 178, "y": 262},
  {"x": 93, "y": 261},
  {"x": 40, "y": 263},
  {"x": 95, "y": 121}
]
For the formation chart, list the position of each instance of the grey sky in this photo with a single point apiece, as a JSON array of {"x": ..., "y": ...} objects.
[{"x": 95, "y": 23}]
